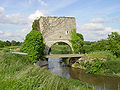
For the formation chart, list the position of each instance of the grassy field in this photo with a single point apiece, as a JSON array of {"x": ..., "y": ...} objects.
[
  {"x": 61, "y": 49},
  {"x": 17, "y": 73}
]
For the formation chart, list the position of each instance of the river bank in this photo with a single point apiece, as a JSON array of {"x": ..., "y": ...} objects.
[
  {"x": 103, "y": 63},
  {"x": 18, "y": 73}
]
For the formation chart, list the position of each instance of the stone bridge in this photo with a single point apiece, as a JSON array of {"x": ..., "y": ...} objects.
[{"x": 56, "y": 29}]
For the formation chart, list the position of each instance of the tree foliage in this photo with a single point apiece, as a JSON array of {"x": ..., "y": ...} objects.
[
  {"x": 35, "y": 25},
  {"x": 77, "y": 41},
  {"x": 8, "y": 43},
  {"x": 114, "y": 43},
  {"x": 33, "y": 44}
]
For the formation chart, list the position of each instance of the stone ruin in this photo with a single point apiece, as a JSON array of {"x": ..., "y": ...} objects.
[{"x": 56, "y": 29}]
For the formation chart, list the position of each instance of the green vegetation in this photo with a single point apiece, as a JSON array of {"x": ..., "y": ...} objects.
[
  {"x": 35, "y": 25},
  {"x": 77, "y": 41},
  {"x": 100, "y": 62},
  {"x": 113, "y": 67},
  {"x": 95, "y": 67},
  {"x": 60, "y": 49},
  {"x": 17, "y": 73},
  {"x": 107, "y": 50},
  {"x": 33, "y": 44},
  {"x": 8, "y": 43},
  {"x": 114, "y": 43},
  {"x": 102, "y": 54}
]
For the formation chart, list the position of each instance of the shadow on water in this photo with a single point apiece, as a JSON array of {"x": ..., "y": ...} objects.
[{"x": 56, "y": 66}]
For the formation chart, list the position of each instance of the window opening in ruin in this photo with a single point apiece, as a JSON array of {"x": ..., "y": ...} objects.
[{"x": 66, "y": 32}]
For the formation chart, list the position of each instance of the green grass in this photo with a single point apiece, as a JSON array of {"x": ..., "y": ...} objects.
[
  {"x": 61, "y": 49},
  {"x": 111, "y": 65},
  {"x": 17, "y": 73},
  {"x": 102, "y": 54}
]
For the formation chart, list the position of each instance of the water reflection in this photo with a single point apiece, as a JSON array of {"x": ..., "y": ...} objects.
[
  {"x": 110, "y": 83},
  {"x": 58, "y": 68}
]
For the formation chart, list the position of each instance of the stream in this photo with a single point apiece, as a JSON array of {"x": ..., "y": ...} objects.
[{"x": 56, "y": 66}]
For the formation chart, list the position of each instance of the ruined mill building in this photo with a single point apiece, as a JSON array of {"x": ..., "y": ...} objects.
[{"x": 56, "y": 29}]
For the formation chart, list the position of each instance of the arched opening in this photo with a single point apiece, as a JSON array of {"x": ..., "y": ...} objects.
[{"x": 60, "y": 48}]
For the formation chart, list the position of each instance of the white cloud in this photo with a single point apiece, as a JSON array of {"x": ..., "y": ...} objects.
[
  {"x": 36, "y": 14},
  {"x": 14, "y": 19},
  {"x": 18, "y": 35},
  {"x": 1, "y": 32},
  {"x": 93, "y": 31},
  {"x": 42, "y": 2},
  {"x": 17, "y": 19},
  {"x": 92, "y": 26},
  {"x": 102, "y": 20},
  {"x": 1, "y": 9}
]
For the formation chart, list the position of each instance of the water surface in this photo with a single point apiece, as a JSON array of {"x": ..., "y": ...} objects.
[{"x": 58, "y": 67}]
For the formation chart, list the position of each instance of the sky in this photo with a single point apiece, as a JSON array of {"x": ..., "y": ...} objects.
[{"x": 95, "y": 19}]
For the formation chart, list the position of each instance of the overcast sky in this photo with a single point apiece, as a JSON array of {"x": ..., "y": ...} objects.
[{"x": 95, "y": 19}]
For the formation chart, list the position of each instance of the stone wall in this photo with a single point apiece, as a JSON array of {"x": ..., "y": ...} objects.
[{"x": 55, "y": 29}]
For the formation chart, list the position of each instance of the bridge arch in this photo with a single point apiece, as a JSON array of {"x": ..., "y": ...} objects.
[{"x": 51, "y": 43}]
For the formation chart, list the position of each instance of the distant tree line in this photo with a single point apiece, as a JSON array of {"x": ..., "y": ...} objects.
[
  {"x": 111, "y": 44},
  {"x": 9, "y": 43}
]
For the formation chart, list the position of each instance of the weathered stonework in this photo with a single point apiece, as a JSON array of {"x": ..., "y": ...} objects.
[{"x": 56, "y": 29}]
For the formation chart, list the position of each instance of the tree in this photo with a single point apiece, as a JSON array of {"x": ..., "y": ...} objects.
[
  {"x": 34, "y": 45},
  {"x": 76, "y": 41},
  {"x": 114, "y": 43},
  {"x": 1, "y": 44},
  {"x": 13, "y": 43},
  {"x": 35, "y": 25},
  {"x": 7, "y": 43}
]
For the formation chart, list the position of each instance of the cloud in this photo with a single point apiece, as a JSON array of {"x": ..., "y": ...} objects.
[
  {"x": 1, "y": 9},
  {"x": 18, "y": 35},
  {"x": 14, "y": 19},
  {"x": 102, "y": 20},
  {"x": 1, "y": 32},
  {"x": 17, "y": 19},
  {"x": 94, "y": 31},
  {"x": 37, "y": 14},
  {"x": 42, "y": 3},
  {"x": 92, "y": 26}
]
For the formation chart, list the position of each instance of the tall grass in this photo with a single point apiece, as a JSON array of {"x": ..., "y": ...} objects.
[{"x": 17, "y": 73}]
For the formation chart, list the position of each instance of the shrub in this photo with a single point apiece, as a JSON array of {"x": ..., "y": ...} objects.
[
  {"x": 34, "y": 46},
  {"x": 76, "y": 41},
  {"x": 113, "y": 66},
  {"x": 95, "y": 66}
]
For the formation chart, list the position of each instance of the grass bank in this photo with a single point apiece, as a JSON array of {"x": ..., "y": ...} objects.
[
  {"x": 17, "y": 73},
  {"x": 104, "y": 63}
]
